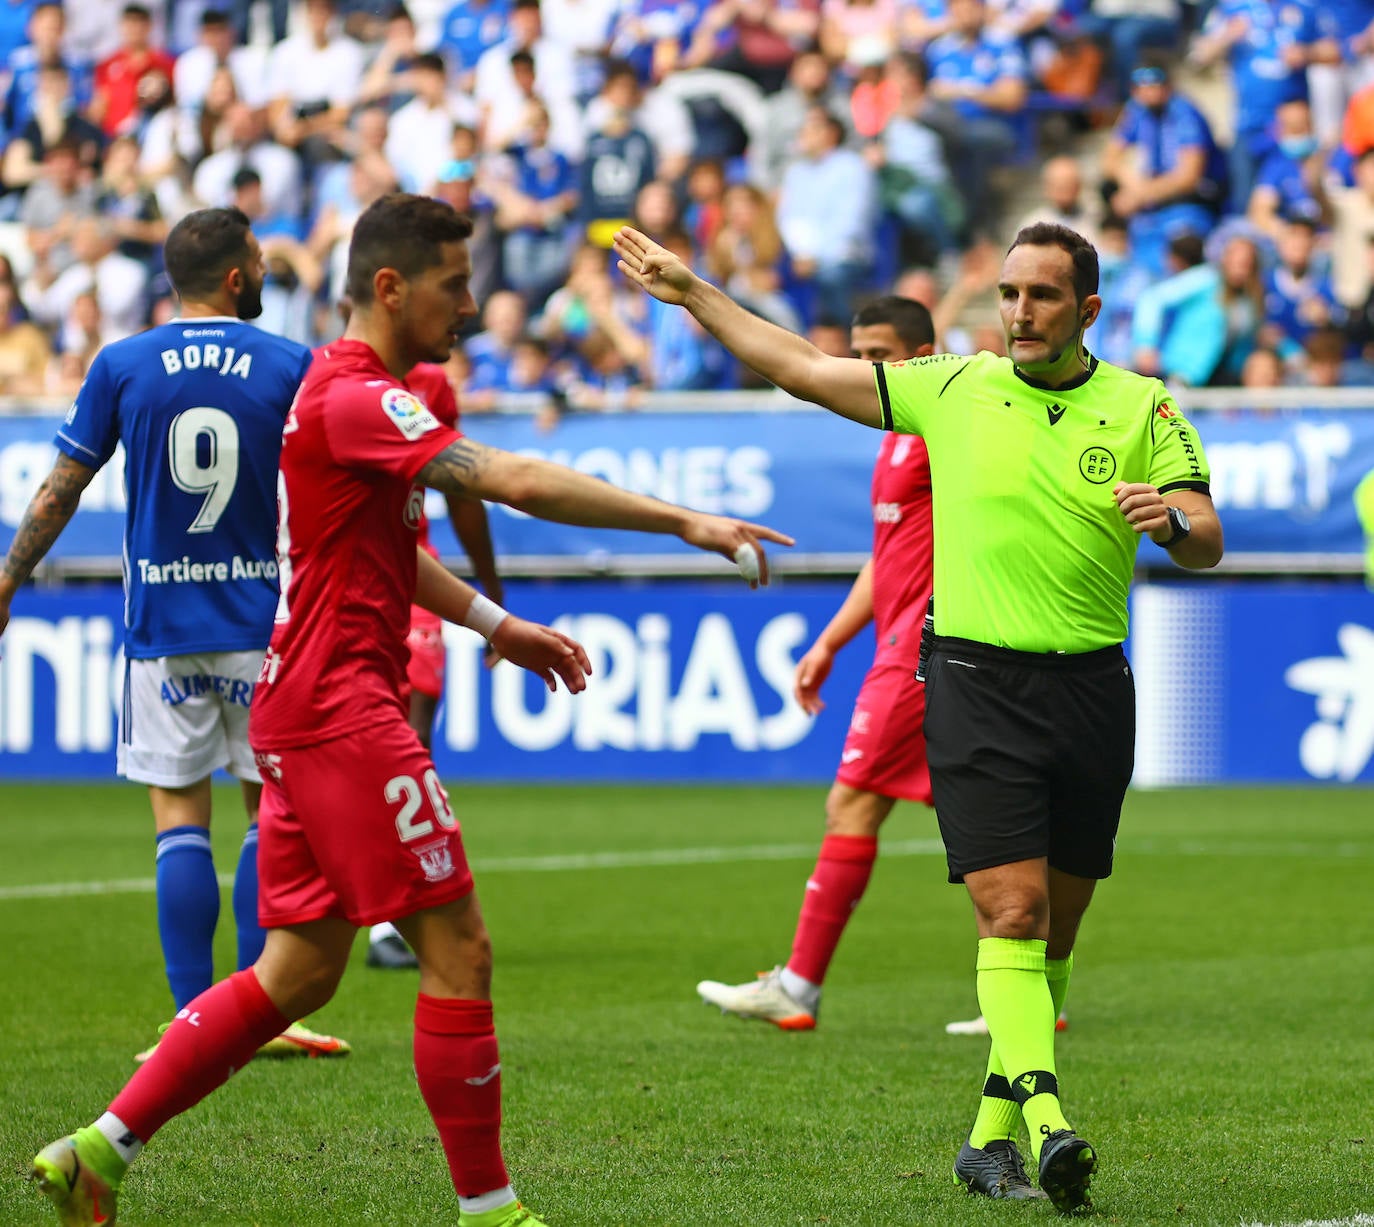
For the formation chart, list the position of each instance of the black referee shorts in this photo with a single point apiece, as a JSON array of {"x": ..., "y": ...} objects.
[{"x": 1030, "y": 754}]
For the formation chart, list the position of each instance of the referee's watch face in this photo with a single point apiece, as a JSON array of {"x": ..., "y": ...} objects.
[{"x": 1042, "y": 317}]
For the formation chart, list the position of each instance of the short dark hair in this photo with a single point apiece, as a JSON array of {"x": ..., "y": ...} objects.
[
  {"x": 1188, "y": 249},
  {"x": 430, "y": 61},
  {"x": 522, "y": 57},
  {"x": 404, "y": 232},
  {"x": 202, "y": 247},
  {"x": 140, "y": 11},
  {"x": 245, "y": 176},
  {"x": 909, "y": 319},
  {"x": 1083, "y": 253},
  {"x": 214, "y": 17}
]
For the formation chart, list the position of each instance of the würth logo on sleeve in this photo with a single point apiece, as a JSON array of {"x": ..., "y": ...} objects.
[{"x": 408, "y": 413}]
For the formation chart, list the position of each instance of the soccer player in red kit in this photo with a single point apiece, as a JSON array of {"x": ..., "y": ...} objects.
[
  {"x": 386, "y": 948},
  {"x": 884, "y": 756},
  {"x": 355, "y": 826}
]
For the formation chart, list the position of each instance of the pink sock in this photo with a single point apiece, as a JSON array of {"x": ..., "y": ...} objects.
[
  {"x": 832, "y": 893},
  {"x": 459, "y": 1071},
  {"x": 215, "y": 1035}
]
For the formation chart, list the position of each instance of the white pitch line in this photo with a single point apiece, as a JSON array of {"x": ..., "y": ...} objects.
[
  {"x": 664, "y": 857},
  {"x": 1360, "y": 1220}
]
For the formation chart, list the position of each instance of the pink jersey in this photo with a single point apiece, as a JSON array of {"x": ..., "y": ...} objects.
[
  {"x": 903, "y": 545},
  {"x": 430, "y": 383},
  {"x": 348, "y": 509}
]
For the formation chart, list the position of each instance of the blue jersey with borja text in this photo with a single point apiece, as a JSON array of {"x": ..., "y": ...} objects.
[{"x": 198, "y": 405}]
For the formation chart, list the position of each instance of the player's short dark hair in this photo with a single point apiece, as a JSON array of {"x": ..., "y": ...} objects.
[
  {"x": 404, "y": 232},
  {"x": 909, "y": 319},
  {"x": 202, "y": 247},
  {"x": 1083, "y": 253}
]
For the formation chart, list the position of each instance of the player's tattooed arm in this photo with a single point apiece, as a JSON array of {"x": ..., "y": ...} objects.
[
  {"x": 458, "y": 469},
  {"x": 47, "y": 515}
]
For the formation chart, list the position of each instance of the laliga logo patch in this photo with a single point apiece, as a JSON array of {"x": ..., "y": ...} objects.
[
  {"x": 415, "y": 506},
  {"x": 408, "y": 413}
]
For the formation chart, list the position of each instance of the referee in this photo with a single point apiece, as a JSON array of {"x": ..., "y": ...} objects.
[{"x": 1048, "y": 467}]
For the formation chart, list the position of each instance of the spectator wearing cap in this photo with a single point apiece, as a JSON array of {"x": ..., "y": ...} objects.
[
  {"x": 536, "y": 195},
  {"x": 420, "y": 133},
  {"x": 117, "y": 77},
  {"x": 315, "y": 77},
  {"x": 469, "y": 30},
  {"x": 500, "y": 94},
  {"x": 1162, "y": 169},
  {"x": 1298, "y": 295},
  {"x": 1269, "y": 45},
  {"x": 46, "y": 28},
  {"x": 54, "y": 121},
  {"x": 458, "y": 186},
  {"x": 248, "y": 145},
  {"x": 216, "y": 49},
  {"x": 1289, "y": 183},
  {"x": 984, "y": 80},
  {"x": 827, "y": 209}
]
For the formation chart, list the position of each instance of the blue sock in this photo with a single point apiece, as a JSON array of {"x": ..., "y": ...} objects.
[
  {"x": 187, "y": 910},
  {"x": 251, "y": 936}
]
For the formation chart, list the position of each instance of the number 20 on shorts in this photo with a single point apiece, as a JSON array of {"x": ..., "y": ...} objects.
[{"x": 405, "y": 790}]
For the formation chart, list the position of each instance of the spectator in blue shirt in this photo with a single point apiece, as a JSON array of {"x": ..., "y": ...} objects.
[
  {"x": 470, "y": 28},
  {"x": 683, "y": 356},
  {"x": 535, "y": 194},
  {"x": 1121, "y": 281},
  {"x": 984, "y": 80},
  {"x": 1297, "y": 290},
  {"x": 1289, "y": 181},
  {"x": 14, "y": 20},
  {"x": 619, "y": 160},
  {"x": 491, "y": 352},
  {"x": 1162, "y": 169},
  {"x": 47, "y": 26},
  {"x": 653, "y": 35},
  {"x": 1269, "y": 44},
  {"x": 827, "y": 211}
]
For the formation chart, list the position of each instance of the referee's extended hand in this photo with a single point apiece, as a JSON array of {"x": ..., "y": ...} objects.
[
  {"x": 651, "y": 267},
  {"x": 722, "y": 535},
  {"x": 543, "y": 651},
  {"x": 1144, "y": 508}
]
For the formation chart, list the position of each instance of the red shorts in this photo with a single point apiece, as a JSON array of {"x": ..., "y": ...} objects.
[
  {"x": 357, "y": 827},
  {"x": 885, "y": 751},
  {"x": 425, "y": 672}
]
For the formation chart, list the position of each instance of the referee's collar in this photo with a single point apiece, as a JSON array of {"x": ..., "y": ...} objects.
[{"x": 1077, "y": 382}]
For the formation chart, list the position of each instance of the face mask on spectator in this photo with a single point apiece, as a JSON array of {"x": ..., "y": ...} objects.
[{"x": 1298, "y": 147}]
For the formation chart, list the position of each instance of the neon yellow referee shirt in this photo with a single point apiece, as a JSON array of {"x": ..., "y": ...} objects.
[{"x": 1031, "y": 551}]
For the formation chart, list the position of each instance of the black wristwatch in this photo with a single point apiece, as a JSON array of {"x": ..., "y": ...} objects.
[{"x": 1181, "y": 528}]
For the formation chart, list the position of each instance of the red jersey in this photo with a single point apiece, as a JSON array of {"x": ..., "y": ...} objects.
[
  {"x": 430, "y": 383},
  {"x": 903, "y": 545},
  {"x": 348, "y": 509},
  {"x": 118, "y": 77}
]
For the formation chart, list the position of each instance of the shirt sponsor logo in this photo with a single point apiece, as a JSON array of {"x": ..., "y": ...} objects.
[
  {"x": 184, "y": 571},
  {"x": 887, "y": 513},
  {"x": 1097, "y": 465},
  {"x": 234, "y": 691},
  {"x": 415, "y": 507},
  {"x": 408, "y": 413}
]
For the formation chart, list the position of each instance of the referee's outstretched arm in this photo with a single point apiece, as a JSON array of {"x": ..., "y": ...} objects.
[{"x": 844, "y": 385}]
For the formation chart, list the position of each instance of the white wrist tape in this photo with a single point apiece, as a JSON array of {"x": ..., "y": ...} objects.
[{"x": 484, "y": 616}]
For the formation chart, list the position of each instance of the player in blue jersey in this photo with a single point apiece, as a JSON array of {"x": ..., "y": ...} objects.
[{"x": 198, "y": 406}]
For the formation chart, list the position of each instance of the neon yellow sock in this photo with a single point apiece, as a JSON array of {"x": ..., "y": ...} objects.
[
  {"x": 1019, "y": 1009},
  {"x": 999, "y": 1115},
  {"x": 1057, "y": 973}
]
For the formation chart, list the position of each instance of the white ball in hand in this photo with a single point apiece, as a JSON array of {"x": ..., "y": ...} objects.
[{"x": 747, "y": 559}]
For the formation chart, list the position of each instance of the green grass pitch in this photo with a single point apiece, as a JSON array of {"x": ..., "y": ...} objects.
[{"x": 1221, "y": 1053}]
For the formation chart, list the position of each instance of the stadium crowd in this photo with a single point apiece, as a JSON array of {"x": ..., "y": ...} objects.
[{"x": 807, "y": 154}]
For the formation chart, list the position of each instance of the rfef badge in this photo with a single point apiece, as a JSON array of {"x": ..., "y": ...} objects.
[{"x": 408, "y": 413}]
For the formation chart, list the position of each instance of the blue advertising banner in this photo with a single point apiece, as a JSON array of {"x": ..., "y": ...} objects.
[
  {"x": 1284, "y": 482},
  {"x": 1235, "y": 683}
]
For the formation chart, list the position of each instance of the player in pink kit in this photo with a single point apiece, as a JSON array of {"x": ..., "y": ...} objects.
[
  {"x": 386, "y": 948},
  {"x": 884, "y": 756},
  {"x": 355, "y": 826}
]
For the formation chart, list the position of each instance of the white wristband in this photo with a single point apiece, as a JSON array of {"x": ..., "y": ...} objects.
[{"x": 484, "y": 616}]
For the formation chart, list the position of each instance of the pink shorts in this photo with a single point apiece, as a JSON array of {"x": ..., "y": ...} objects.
[
  {"x": 885, "y": 751},
  {"x": 357, "y": 827},
  {"x": 425, "y": 672}
]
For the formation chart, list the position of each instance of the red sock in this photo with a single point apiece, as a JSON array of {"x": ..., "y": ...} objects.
[
  {"x": 832, "y": 893},
  {"x": 459, "y": 1071},
  {"x": 216, "y": 1034}
]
